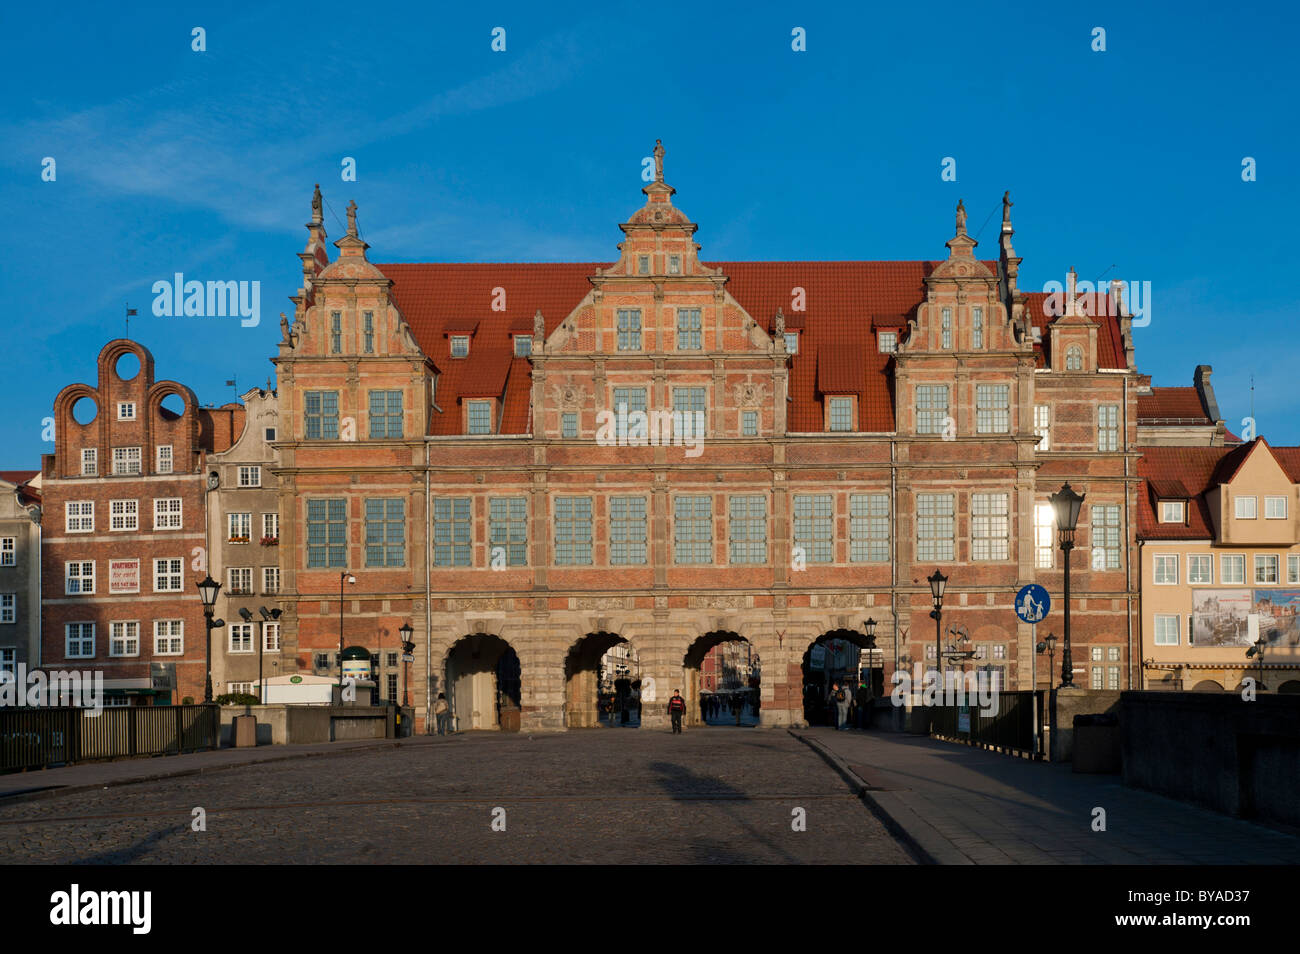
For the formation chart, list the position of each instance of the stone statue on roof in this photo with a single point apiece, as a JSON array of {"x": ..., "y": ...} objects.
[
  {"x": 780, "y": 322},
  {"x": 659, "y": 160},
  {"x": 1006, "y": 207},
  {"x": 316, "y": 215},
  {"x": 352, "y": 217},
  {"x": 961, "y": 217},
  {"x": 539, "y": 325},
  {"x": 284, "y": 327}
]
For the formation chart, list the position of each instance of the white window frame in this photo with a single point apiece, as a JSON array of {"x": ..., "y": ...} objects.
[
  {"x": 126, "y": 410},
  {"x": 460, "y": 346},
  {"x": 8, "y": 607},
  {"x": 85, "y": 633},
  {"x": 1275, "y": 503},
  {"x": 1044, "y": 536},
  {"x": 887, "y": 342},
  {"x": 79, "y": 516},
  {"x": 126, "y": 463},
  {"x": 1245, "y": 507},
  {"x": 271, "y": 637},
  {"x": 1043, "y": 426},
  {"x": 81, "y": 578},
  {"x": 270, "y": 580},
  {"x": 250, "y": 475},
  {"x": 1200, "y": 559},
  {"x": 1262, "y": 561},
  {"x": 125, "y": 631},
  {"x": 163, "y": 461},
  {"x": 1173, "y": 511},
  {"x": 163, "y": 637},
  {"x": 246, "y": 635},
  {"x": 123, "y": 516},
  {"x": 243, "y": 574},
  {"x": 8, "y": 551},
  {"x": 168, "y": 575},
  {"x": 234, "y": 523},
  {"x": 1230, "y": 579},
  {"x": 792, "y": 342},
  {"x": 1164, "y": 640},
  {"x": 167, "y": 518},
  {"x": 270, "y": 525},
  {"x": 1293, "y": 568},
  {"x": 1161, "y": 572},
  {"x": 90, "y": 462},
  {"x": 990, "y": 522}
]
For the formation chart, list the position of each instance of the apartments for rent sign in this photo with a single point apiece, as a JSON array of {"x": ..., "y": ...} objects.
[{"x": 124, "y": 576}]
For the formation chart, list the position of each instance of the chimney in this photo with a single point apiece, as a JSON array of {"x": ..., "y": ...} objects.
[{"x": 1205, "y": 391}]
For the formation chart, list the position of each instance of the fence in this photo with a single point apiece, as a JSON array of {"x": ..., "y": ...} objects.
[
  {"x": 41, "y": 738},
  {"x": 1010, "y": 728}
]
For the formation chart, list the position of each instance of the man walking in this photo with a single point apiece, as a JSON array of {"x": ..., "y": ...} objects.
[
  {"x": 442, "y": 712},
  {"x": 676, "y": 709},
  {"x": 840, "y": 700}
]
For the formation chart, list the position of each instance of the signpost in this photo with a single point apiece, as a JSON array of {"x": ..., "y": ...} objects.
[{"x": 1032, "y": 604}]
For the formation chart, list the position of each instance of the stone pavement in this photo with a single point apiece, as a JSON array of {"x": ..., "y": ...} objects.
[{"x": 964, "y": 805}]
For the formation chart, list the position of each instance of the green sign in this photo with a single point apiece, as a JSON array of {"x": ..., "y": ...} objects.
[{"x": 295, "y": 679}]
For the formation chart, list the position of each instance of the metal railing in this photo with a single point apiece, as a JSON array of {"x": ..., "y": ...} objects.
[
  {"x": 46, "y": 737},
  {"x": 1012, "y": 727}
]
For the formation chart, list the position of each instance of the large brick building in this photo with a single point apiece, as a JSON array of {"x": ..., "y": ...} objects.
[{"x": 466, "y": 442}]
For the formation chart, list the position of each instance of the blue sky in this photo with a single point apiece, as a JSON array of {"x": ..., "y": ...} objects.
[{"x": 203, "y": 162}]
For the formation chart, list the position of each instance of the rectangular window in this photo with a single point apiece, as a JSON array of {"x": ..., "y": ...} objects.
[
  {"x": 386, "y": 414},
  {"x": 935, "y": 527},
  {"x": 749, "y": 423},
  {"x": 1165, "y": 568},
  {"x": 1112, "y": 677},
  {"x": 167, "y": 513},
  {"x": 1096, "y": 680},
  {"x": 126, "y": 461},
  {"x": 1044, "y": 536},
  {"x": 164, "y": 458},
  {"x": 689, "y": 336},
  {"x": 572, "y": 531},
  {"x": 627, "y": 401},
  {"x": 1000, "y": 651},
  {"x": 945, "y": 329},
  {"x": 336, "y": 332},
  {"x": 241, "y": 581},
  {"x": 931, "y": 408},
  {"x": 792, "y": 342},
  {"x": 460, "y": 346},
  {"x": 8, "y": 551},
  {"x": 627, "y": 531},
  {"x": 869, "y": 528},
  {"x": 569, "y": 425},
  {"x": 643, "y": 264},
  {"x": 1105, "y": 537},
  {"x": 250, "y": 476},
  {"x": 79, "y": 640},
  {"x": 386, "y": 532},
  {"x": 124, "y": 638},
  {"x": 887, "y": 342},
  {"x": 1274, "y": 508},
  {"x": 125, "y": 411},
  {"x": 990, "y": 527},
  {"x": 123, "y": 515},
  {"x": 368, "y": 331},
  {"x": 392, "y": 685},
  {"x": 241, "y": 637},
  {"x": 1293, "y": 569},
  {"x": 1043, "y": 426},
  {"x": 89, "y": 462},
  {"x": 8, "y": 660},
  {"x": 79, "y": 578},
  {"x": 1108, "y": 427},
  {"x": 168, "y": 637},
  {"x": 629, "y": 329},
  {"x": 693, "y": 530},
  {"x": 1112, "y": 653},
  {"x": 977, "y": 328},
  {"x": 1233, "y": 568},
  {"x": 841, "y": 414},
  {"x": 452, "y": 531},
  {"x": 270, "y": 526},
  {"x": 992, "y": 410},
  {"x": 269, "y": 434},
  {"x": 674, "y": 264},
  {"x": 1245, "y": 508},
  {"x": 523, "y": 346},
  {"x": 1167, "y": 630},
  {"x": 270, "y": 580},
  {"x": 747, "y": 529},
  {"x": 270, "y": 637},
  {"x": 688, "y": 401},
  {"x": 1200, "y": 568},
  {"x": 79, "y": 516},
  {"x": 322, "y": 415},
  {"x": 814, "y": 531},
  {"x": 480, "y": 417},
  {"x": 8, "y": 607},
  {"x": 1266, "y": 568},
  {"x": 240, "y": 526},
  {"x": 327, "y": 533},
  {"x": 1171, "y": 511},
  {"x": 167, "y": 576},
  {"x": 508, "y": 531}
]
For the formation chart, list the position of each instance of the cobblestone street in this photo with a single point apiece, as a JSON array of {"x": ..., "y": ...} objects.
[{"x": 636, "y": 796}]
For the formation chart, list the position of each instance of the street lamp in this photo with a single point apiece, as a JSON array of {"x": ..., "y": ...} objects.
[
  {"x": 1049, "y": 644},
  {"x": 208, "y": 590},
  {"x": 344, "y": 577},
  {"x": 1067, "y": 503},
  {"x": 1257, "y": 650},
  {"x": 408, "y": 648},
  {"x": 938, "y": 583}
]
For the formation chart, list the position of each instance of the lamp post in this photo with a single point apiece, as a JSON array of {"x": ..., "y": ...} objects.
[
  {"x": 1049, "y": 645},
  {"x": 1257, "y": 650},
  {"x": 1067, "y": 503},
  {"x": 208, "y": 590},
  {"x": 408, "y": 648},
  {"x": 938, "y": 583},
  {"x": 344, "y": 577},
  {"x": 869, "y": 627}
]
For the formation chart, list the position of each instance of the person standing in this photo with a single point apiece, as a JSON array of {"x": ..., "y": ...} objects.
[
  {"x": 676, "y": 709},
  {"x": 442, "y": 712}
]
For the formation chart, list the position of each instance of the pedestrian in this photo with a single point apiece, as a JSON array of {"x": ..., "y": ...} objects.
[
  {"x": 839, "y": 701},
  {"x": 676, "y": 709},
  {"x": 442, "y": 712}
]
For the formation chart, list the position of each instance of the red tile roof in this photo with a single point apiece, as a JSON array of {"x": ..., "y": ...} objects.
[
  {"x": 1170, "y": 405},
  {"x": 18, "y": 476}
]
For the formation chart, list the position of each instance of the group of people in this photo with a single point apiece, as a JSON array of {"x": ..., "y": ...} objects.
[
  {"x": 849, "y": 707},
  {"x": 715, "y": 706}
]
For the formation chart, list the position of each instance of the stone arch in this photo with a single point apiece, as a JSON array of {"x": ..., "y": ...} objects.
[
  {"x": 114, "y": 350},
  {"x": 1290, "y": 687},
  {"x": 817, "y": 682},
  {"x": 693, "y": 659},
  {"x": 582, "y": 684},
  {"x": 483, "y": 680},
  {"x": 1208, "y": 685}
]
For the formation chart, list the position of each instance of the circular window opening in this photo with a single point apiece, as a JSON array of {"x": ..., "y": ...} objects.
[
  {"x": 85, "y": 410},
  {"x": 127, "y": 367},
  {"x": 172, "y": 407}
]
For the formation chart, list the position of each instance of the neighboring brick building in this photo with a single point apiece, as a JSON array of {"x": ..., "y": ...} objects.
[
  {"x": 1182, "y": 416},
  {"x": 20, "y": 563},
  {"x": 450, "y": 438}
]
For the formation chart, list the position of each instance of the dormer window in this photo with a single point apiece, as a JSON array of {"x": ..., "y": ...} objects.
[
  {"x": 643, "y": 264},
  {"x": 792, "y": 342},
  {"x": 945, "y": 329},
  {"x": 887, "y": 342},
  {"x": 480, "y": 417},
  {"x": 523, "y": 346},
  {"x": 126, "y": 411},
  {"x": 841, "y": 413},
  {"x": 674, "y": 264},
  {"x": 460, "y": 346},
  {"x": 1074, "y": 358},
  {"x": 977, "y": 328},
  {"x": 1173, "y": 511}
]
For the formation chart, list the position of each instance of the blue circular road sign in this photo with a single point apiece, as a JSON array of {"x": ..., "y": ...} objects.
[{"x": 1032, "y": 603}]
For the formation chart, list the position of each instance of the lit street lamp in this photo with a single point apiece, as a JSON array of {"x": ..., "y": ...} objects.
[
  {"x": 208, "y": 590},
  {"x": 938, "y": 583},
  {"x": 1067, "y": 504}
]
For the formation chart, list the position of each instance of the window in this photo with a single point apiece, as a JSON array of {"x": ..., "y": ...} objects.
[
  {"x": 523, "y": 346},
  {"x": 688, "y": 329},
  {"x": 792, "y": 342},
  {"x": 241, "y": 581},
  {"x": 123, "y": 515},
  {"x": 480, "y": 417},
  {"x": 124, "y": 638},
  {"x": 990, "y": 527},
  {"x": 887, "y": 342},
  {"x": 8, "y": 551},
  {"x": 643, "y": 264},
  {"x": 569, "y": 425},
  {"x": 1166, "y": 630},
  {"x": 79, "y": 640},
  {"x": 79, "y": 516},
  {"x": 1266, "y": 568},
  {"x": 1246, "y": 508},
  {"x": 163, "y": 463},
  {"x": 1112, "y": 677},
  {"x": 336, "y": 332},
  {"x": 689, "y": 401},
  {"x": 270, "y": 526},
  {"x": 386, "y": 414},
  {"x": 1274, "y": 508},
  {"x": 1044, "y": 536},
  {"x": 931, "y": 408},
  {"x": 629, "y": 329},
  {"x": 270, "y": 580},
  {"x": 1108, "y": 427},
  {"x": 1293, "y": 569},
  {"x": 460, "y": 346},
  {"x": 241, "y": 637},
  {"x": 1112, "y": 653},
  {"x": 368, "y": 331},
  {"x": 674, "y": 264},
  {"x": 1165, "y": 568},
  {"x": 327, "y": 533},
  {"x": 392, "y": 685},
  {"x": 977, "y": 328},
  {"x": 693, "y": 530},
  {"x": 268, "y": 434},
  {"x": 945, "y": 329},
  {"x": 167, "y": 513},
  {"x": 935, "y": 527},
  {"x": 168, "y": 637},
  {"x": 322, "y": 415},
  {"x": 626, "y": 402},
  {"x": 126, "y": 411},
  {"x": 89, "y": 461},
  {"x": 8, "y": 607},
  {"x": 747, "y": 529},
  {"x": 1232, "y": 568},
  {"x": 1171, "y": 511},
  {"x": 80, "y": 577},
  {"x": 392, "y": 659},
  {"x": 749, "y": 423},
  {"x": 386, "y": 532},
  {"x": 240, "y": 526},
  {"x": 1096, "y": 681},
  {"x": 8, "y": 660},
  {"x": 841, "y": 413},
  {"x": 322, "y": 660},
  {"x": 627, "y": 531},
  {"x": 250, "y": 476},
  {"x": 992, "y": 414},
  {"x": 1200, "y": 568},
  {"x": 270, "y": 637},
  {"x": 573, "y": 531},
  {"x": 814, "y": 527},
  {"x": 126, "y": 461},
  {"x": 451, "y": 531},
  {"x": 167, "y": 576},
  {"x": 1043, "y": 426},
  {"x": 1105, "y": 537},
  {"x": 508, "y": 530},
  {"x": 1074, "y": 358},
  {"x": 869, "y": 528},
  {"x": 1000, "y": 651}
]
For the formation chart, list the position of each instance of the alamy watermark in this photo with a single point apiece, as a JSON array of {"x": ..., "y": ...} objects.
[
  {"x": 193, "y": 299},
  {"x": 621, "y": 428},
  {"x": 958, "y": 689},
  {"x": 38, "y": 688}
]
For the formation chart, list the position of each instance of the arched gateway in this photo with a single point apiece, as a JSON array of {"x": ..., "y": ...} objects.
[
  {"x": 602, "y": 683},
  {"x": 484, "y": 683},
  {"x": 842, "y": 656},
  {"x": 722, "y": 680}
]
